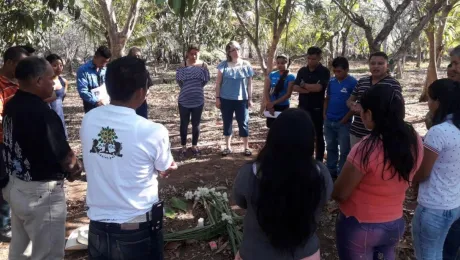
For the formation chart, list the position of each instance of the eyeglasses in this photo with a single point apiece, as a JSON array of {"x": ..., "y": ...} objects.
[{"x": 232, "y": 50}]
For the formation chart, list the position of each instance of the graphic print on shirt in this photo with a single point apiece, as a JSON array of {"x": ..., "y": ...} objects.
[
  {"x": 106, "y": 145},
  {"x": 16, "y": 163}
]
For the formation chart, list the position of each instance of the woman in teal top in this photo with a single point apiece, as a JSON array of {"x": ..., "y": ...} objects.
[
  {"x": 234, "y": 95},
  {"x": 278, "y": 88}
]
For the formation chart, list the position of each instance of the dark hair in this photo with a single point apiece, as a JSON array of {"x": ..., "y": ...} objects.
[
  {"x": 124, "y": 76},
  {"x": 379, "y": 54},
  {"x": 133, "y": 50},
  {"x": 103, "y": 51},
  {"x": 340, "y": 62},
  {"x": 399, "y": 139},
  {"x": 290, "y": 186},
  {"x": 31, "y": 67},
  {"x": 28, "y": 48},
  {"x": 193, "y": 47},
  {"x": 14, "y": 54},
  {"x": 455, "y": 52},
  {"x": 449, "y": 66},
  {"x": 314, "y": 51},
  {"x": 53, "y": 57},
  {"x": 447, "y": 92}
]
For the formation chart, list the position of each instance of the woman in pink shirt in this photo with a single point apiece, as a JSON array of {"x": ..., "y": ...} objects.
[{"x": 372, "y": 185}]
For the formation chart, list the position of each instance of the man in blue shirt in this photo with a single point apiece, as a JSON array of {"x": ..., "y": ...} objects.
[
  {"x": 337, "y": 116},
  {"x": 91, "y": 75}
]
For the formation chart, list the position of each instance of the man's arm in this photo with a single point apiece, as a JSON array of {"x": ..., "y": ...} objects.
[
  {"x": 321, "y": 84},
  {"x": 297, "y": 88},
  {"x": 72, "y": 166},
  {"x": 83, "y": 88}
]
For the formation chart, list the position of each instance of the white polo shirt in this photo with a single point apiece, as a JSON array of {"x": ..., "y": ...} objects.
[
  {"x": 122, "y": 155},
  {"x": 442, "y": 189}
]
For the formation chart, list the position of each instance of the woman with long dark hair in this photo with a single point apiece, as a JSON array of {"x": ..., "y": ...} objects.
[
  {"x": 372, "y": 185},
  {"x": 283, "y": 191},
  {"x": 278, "y": 88},
  {"x": 439, "y": 192}
]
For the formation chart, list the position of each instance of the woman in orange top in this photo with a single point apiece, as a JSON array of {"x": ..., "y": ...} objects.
[{"x": 372, "y": 185}]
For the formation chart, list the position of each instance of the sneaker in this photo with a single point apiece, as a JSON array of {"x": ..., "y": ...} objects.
[{"x": 5, "y": 235}]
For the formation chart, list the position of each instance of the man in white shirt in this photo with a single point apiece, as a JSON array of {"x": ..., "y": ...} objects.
[{"x": 123, "y": 155}]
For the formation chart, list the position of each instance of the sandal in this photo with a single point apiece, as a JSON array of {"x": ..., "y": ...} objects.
[
  {"x": 247, "y": 152},
  {"x": 183, "y": 152},
  {"x": 196, "y": 151},
  {"x": 226, "y": 152}
]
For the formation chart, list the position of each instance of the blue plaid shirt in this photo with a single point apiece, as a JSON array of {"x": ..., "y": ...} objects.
[{"x": 89, "y": 78}]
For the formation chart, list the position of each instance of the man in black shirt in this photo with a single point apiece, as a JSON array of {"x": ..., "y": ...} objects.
[
  {"x": 37, "y": 160},
  {"x": 311, "y": 83}
]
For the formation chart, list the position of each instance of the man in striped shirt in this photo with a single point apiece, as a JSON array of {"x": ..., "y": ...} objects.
[
  {"x": 8, "y": 87},
  {"x": 378, "y": 65}
]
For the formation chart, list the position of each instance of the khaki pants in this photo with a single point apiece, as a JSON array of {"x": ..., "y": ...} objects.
[
  {"x": 354, "y": 140},
  {"x": 38, "y": 215}
]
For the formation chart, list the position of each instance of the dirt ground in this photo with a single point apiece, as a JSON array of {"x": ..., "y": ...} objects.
[{"x": 212, "y": 170}]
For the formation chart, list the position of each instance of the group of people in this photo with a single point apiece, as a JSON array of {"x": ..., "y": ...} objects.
[{"x": 284, "y": 189}]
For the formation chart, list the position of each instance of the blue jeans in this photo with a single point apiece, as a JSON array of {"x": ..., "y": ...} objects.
[
  {"x": 143, "y": 110},
  {"x": 429, "y": 231},
  {"x": 240, "y": 108},
  {"x": 367, "y": 240},
  {"x": 107, "y": 241},
  {"x": 336, "y": 135},
  {"x": 452, "y": 243}
]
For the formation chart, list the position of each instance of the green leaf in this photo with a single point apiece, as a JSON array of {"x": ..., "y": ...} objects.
[
  {"x": 169, "y": 213},
  {"x": 178, "y": 204}
]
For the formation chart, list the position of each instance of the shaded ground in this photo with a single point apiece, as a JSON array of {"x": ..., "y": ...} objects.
[{"x": 212, "y": 170}]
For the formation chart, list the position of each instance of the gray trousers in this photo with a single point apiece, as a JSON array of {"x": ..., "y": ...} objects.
[{"x": 38, "y": 215}]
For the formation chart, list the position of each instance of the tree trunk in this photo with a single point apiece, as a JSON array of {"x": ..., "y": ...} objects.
[
  {"x": 117, "y": 45},
  {"x": 440, "y": 30},
  {"x": 344, "y": 40},
  {"x": 419, "y": 52},
  {"x": 432, "y": 73},
  {"x": 117, "y": 38}
]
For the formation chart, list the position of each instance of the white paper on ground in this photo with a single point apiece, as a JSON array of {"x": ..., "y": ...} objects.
[
  {"x": 267, "y": 114},
  {"x": 77, "y": 239},
  {"x": 101, "y": 94}
]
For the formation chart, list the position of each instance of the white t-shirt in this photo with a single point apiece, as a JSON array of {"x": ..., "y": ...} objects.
[
  {"x": 442, "y": 189},
  {"x": 122, "y": 154}
]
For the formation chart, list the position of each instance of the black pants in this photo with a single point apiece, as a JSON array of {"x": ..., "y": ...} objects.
[
  {"x": 185, "y": 114},
  {"x": 106, "y": 241},
  {"x": 88, "y": 106},
  {"x": 143, "y": 110},
  {"x": 316, "y": 116},
  {"x": 277, "y": 108}
]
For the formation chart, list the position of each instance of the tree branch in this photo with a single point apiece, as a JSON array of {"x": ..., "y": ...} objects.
[
  {"x": 388, "y": 6},
  {"x": 245, "y": 28},
  {"x": 109, "y": 15},
  {"x": 390, "y": 23},
  {"x": 415, "y": 33},
  {"x": 132, "y": 18}
]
